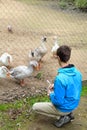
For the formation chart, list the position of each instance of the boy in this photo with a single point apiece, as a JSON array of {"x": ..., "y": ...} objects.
[{"x": 64, "y": 94}]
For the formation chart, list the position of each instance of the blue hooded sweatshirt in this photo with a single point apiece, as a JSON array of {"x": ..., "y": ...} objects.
[{"x": 67, "y": 89}]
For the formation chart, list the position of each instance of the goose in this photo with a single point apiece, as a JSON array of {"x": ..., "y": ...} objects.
[
  {"x": 4, "y": 72},
  {"x": 39, "y": 52},
  {"x": 21, "y": 72},
  {"x": 55, "y": 46},
  {"x": 6, "y": 59},
  {"x": 34, "y": 55},
  {"x": 42, "y": 50}
]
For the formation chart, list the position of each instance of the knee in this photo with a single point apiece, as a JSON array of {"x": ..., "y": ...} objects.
[{"x": 34, "y": 107}]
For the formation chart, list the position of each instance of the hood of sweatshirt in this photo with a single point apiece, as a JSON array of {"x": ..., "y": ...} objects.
[{"x": 69, "y": 70}]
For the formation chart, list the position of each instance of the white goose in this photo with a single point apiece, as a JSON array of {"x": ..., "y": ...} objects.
[
  {"x": 21, "y": 72},
  {"x": 6, "y": 59},
  {"x": 4, "y": 72},
  {"x": 42, "y": 50},
  {"x": 39, "y": 52},
  {"x": 34, "y": 55},
  {"x": 55, "y": 46}
]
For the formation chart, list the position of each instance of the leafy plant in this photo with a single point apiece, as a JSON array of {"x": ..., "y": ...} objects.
[
  {"x": 81, "y": 3},
  {"x": 84, "y": 91},
  {"x": 39, "y": 75},
  {"x": 63, "y": 4}
]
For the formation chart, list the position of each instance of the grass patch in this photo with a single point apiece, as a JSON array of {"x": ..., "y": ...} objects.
[
  {"x": 15, "y": 115},
  {"x": 84, "y": 91},
  {"x": 23, "y": 103},
  {"x": 81, "y": 4},
  {"x": 63, "y": 4}
]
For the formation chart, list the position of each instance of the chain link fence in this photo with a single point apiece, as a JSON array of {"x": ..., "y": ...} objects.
[{"x": 31, "y": 19}]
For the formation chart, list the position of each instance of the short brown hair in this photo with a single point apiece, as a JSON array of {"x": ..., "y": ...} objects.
[{"x": 64, "y": 53}]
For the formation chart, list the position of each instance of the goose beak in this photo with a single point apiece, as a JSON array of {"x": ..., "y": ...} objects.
[
  {"x": 9, "y": 61},
  {"x": 8, "y": 75},
  {"x": 37, "y": 67}
]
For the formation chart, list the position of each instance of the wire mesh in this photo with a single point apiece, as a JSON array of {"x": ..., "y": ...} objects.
[{"x": 29, "y": 20}]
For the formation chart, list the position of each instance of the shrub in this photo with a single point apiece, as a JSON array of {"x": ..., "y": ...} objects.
[
  {"x": 63, "y": 4},
  {"x": 81, "y": 4}
]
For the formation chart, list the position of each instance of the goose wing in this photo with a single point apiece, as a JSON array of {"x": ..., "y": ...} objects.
[{"x": 18, "y": 72}]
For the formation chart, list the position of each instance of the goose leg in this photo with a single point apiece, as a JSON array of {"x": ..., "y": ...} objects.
[
  {"x": 38, "y": 67},
  {"x": 22, "y": 83}
]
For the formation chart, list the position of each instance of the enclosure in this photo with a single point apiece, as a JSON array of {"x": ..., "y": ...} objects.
[{"x": 30, "y": 20}]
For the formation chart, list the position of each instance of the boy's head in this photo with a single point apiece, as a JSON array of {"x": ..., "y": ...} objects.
[{"x": 64, "y": 53}]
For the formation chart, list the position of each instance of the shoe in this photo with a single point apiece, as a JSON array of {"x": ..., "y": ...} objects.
[
  {"x": 63, "y": 120},
  {"x": 71, "y": 116}
]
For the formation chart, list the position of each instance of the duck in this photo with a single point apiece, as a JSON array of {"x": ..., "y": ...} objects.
[
  {"x": 4, "y": 72},
  {"x": 21, "y": 72},
  {"x": 6, "y": 59},
  {"x": 55, "y": 46},
  {"x": 39, "y": 52}
]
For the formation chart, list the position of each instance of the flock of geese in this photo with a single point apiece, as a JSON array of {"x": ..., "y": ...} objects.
[{"x": 21, "y": 72}]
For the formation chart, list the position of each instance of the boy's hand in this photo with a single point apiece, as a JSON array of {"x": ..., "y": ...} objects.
[
  {"x": 51, "y": 86},
  {"x": 50, "y": 89}
]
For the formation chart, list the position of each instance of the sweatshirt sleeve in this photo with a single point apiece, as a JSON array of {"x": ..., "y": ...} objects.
[{"x": 57, "y": 96}]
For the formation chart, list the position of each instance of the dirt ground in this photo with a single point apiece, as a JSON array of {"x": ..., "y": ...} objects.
[{"x": 29, "y": 23}]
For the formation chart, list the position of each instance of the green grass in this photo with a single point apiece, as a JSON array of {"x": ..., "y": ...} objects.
[
  {"x": 81, "y": 3},
  {"x": 84, "y": 91},
  {"x": 63, "y": 4},
  {"x": 15, "y": 115}
]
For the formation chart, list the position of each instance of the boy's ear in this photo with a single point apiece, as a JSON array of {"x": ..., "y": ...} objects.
[{"x": 58, "y": 58}]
